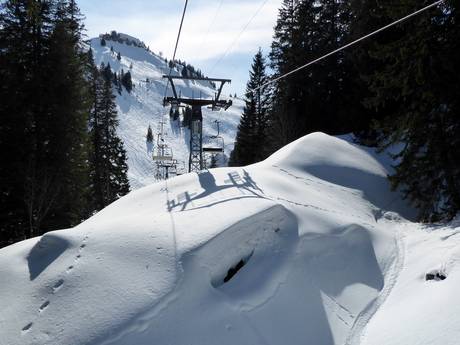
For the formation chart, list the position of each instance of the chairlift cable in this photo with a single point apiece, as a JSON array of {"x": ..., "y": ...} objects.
[
  {"x": 177, "y": 43},
  {"x": 230, "y": 47},
  {"x": 211, "y": 23},
  {"x": 347, "y": 45}
]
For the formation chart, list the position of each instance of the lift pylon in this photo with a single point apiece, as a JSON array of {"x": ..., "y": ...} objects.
[{"x": 196, "y": 123}]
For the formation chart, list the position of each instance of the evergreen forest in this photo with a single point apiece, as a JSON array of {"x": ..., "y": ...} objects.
[
  {"x": 400, "y": 87},
  {"x": 62, "y": 159}
]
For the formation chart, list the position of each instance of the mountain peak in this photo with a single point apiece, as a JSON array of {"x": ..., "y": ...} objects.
[{"x": 123, "y": 38}]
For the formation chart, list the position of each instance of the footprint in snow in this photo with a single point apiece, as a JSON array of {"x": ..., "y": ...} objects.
[
  {"x": 58, "y": 285},
  {"x": 27, "y": 327},
  {"x": 44, "y": 306}
]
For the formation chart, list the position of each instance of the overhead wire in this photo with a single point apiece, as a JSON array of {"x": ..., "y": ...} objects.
[
  {"x": 211, "y": 23},
  {"x": 170, "y": 70},
  {"x": 175, "y": 47},
  {"x": 230, "y": 47},
  {"x": 347, "y": 45}
]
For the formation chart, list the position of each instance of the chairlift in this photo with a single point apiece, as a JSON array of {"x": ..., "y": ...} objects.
[
  {"x": 216, "y": 143},
  {"x": 195, "y": 122},
  {"x": 164, "y": 154}
]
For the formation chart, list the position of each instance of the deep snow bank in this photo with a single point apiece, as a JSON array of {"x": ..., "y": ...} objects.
[{"x": 297, "y": 249}]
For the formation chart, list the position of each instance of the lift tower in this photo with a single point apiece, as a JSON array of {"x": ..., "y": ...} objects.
[{"x": 195, "y": 163}]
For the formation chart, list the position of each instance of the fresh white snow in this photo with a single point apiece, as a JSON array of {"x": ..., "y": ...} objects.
[
  {"x": 144, "y": 106},
  {"x": 330, "y": 255}
]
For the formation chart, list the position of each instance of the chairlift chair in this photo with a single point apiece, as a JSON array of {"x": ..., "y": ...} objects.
[
  {"x": 218, "y": 143},
  {"x": 215, "y": 145},
  {"x": 164, "y": 154}
]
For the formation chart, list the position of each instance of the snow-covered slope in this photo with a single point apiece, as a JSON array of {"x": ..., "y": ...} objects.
[
  {"x": 326, "y": 257},
  {"x": 144, "y": 106}
]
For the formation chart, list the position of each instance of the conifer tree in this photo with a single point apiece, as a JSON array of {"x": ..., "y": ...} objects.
[
  {"x": 107, "y": 72},
  {"x": 108, "y": 158},
  {"x": 126, "y": 81},
  {"x": 367, "y": 16},
  {"x": 420, "y": 78},
  {"x": 45, "y": 107},
  {"x": 312, "y": 99},
  {"x": 25, "y": 29},
  {"x": 251, "y": 138},
  {"x": 149, "y": 136}
]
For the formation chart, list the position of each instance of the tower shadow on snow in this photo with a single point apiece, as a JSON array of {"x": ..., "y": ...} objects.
[{"x": 209, "y": 185}]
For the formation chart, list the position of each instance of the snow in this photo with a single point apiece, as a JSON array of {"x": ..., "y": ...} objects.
[
  {"x": 430, "y": 315},
  {"x": 144, "y": 106},
  {"x": 329, "y": 259}
]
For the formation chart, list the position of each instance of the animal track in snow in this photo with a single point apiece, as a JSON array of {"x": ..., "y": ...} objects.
[
  {"x": 44, "y": 306},
  {"x": 58, "y": 285},
  {"x": 27, "y": 327}
]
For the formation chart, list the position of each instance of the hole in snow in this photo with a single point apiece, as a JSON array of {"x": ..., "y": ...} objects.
[
  {"x": 232, "y": 271},
  {"x": 435, "y": 276}
]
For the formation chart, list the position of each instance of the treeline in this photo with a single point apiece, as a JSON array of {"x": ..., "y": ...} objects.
[
  {"x": 119, "y": 80},
  {"x": 399, "y": 87},
  {"x": 117, "y": 37},
  {"x": 61, "y": 158},
  {"x": 188, "y": 71}
]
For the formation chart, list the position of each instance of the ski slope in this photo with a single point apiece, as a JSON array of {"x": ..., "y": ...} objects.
[
  {"x": 144, "y": 106},
  {"x": 328, "y": 254}
]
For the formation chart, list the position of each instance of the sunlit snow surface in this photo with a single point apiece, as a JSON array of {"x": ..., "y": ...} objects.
[
  {"x": 328, "y": 261},
  {"x": 144, "y": 106}
]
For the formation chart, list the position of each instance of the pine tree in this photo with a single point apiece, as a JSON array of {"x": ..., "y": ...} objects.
[
  {"x": 108, "y": 158},
  {"x": 103, "y": 42},
  {"x": 149, "y": 136},
  {"x": 312, "y": 99},
  {"x": 420, "y": 79},
  {"x": 25, "y": 28},
  {"x": 65, "y": 169},
  {"x": 118, "y": 56},
  {"x": 44, "y": 106},
  {"x": 367, "y": 16},
  {"x": 107, "y": 72},
  {"x": 251, "y": 138},
  {"x": 127, "y": 82},
  {"x": 285, "y": 122}
]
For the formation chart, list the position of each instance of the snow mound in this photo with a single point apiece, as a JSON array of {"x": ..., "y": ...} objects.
[
  {"x": 295, "y": 249},
  {"x": 345, "y": 164}
]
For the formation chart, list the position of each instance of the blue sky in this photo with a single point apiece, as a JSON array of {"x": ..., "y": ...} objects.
[{"x": 211, "y": 27}]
